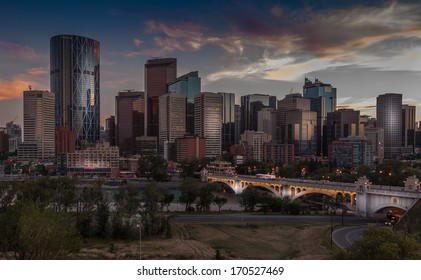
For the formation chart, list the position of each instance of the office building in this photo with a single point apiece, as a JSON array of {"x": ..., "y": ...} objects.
[
  {"x": 278, "y": 153},
  {"x": 228, "y": 120},
  {"x": 188, "y": 86},
  {"x": 208, "y": 120},
  {"x": 14, "y": 131},
  {"x": 389, "y": 117},
  {"x": 172, "y": 120},
  {"x": 322, "y": 100},
  {"x": 376, "y": 136},
  {"x": 352, "y": 151},
  {"x": 250, "y": 105},
  {"x": 130, "y": 114},
  {"x": 159, "y": 73},
  {"x": 301, "y": 131},
  {"x": 110, "y": 130},
  {"x": 408, "y": 129},
  {"x": 190, "y": 147},
  {"x": 342, "y": 123},
  {"x": 4, "y": 141},
  {"x": 237, "y": 124},
  {"x": 74, "y": 79},
  {"x": 147, "y": 145},
  {"x": 38, "y": 121},
  {"x": 256, "y": 139}
]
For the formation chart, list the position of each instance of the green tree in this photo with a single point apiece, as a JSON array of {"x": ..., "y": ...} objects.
[
  {"x": 153, "y": 197},
  {"x": 383, "y": 244},
  {"x": 220, "y": 201},
  {"x": 189, "y": 191},
  {"x": 168, "y": 198},
  {"x": 7, "y": 194},
  {"x": 250, "y": 198},
  {"x": 189, "y": 166},
  {"x": 31, "y": 232},
  {"x": 127, "y": 200},
  {"x": 205, "y": 198}
]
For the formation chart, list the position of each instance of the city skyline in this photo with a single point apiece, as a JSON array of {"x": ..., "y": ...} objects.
[{"x": 244, "y": 47}]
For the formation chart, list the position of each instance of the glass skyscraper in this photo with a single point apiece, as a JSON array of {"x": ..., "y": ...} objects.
[
  {"x": 389, "y": 117},
  {"x": 322, "y": 100},
  {"x": 74, "y": 79}
]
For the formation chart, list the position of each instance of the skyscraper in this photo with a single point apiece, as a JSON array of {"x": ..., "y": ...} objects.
[
  {"x": 74, "y": 79},
  {"x": 228, "y": 120},
  {"x": 208, "y": 121},
  {"x": 38, "y": 121},
  {"x": 250, "y": 105},
  {"x": 130, "y": 114},
  {"x": 322, "y": 100},
  {"x": 389, "y": 117},
  {"x": 172, "y": 119},
  {"x": 342, "y": 123},
  {"x": 188, "y": 86},
  {"x": 408, "y": 128},
  {"x": 159, "y": 73}
]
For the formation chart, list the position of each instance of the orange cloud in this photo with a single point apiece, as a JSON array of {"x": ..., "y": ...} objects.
[
  {"x": 37, "y": 71},
  {"x": 13, "y": 88},
  {"x": 13, "y": 50}
]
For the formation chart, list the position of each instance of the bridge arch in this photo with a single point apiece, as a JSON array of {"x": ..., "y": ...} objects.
[
  {"x": 268, "y": 188},
  {"x": 311, "y": 191},
  {"x": 389, "y": 205},
  {"x": 228, "y": 183}
]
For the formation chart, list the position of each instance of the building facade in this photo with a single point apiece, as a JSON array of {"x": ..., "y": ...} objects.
[
  {"x": 208, "y": 120},
  {"x": 256, "y": 139},
  {"x": 322, "y": 100},
  {"x": 389, "y": 117},
  {"x": 189, "y": 147},
  {"x": 301, "y": 131},
  {"x": 130, "y": 120},
  {"x": 352, "y": 151},
  {"x": 408, "y": 128},
  {"x": 228, "y": 120},
  {"x": 172, "y": 120},
  {"x": 38, "y": 121},
  {"x": 159, "y": 73},
  {"x": 188, "y": 86},
  {"x": 75, "y": 81}
]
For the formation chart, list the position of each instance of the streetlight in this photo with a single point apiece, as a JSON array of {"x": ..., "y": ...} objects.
[{"x": 139, "y": 226}]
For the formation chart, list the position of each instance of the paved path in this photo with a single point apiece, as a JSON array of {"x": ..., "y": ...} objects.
[{"x": 345, "y": 236}]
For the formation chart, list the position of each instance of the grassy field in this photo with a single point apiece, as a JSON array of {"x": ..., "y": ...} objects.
[{"x": 233, "y": 240}]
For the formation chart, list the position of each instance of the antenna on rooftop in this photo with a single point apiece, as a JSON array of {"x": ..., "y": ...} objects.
[{"x": 30, "y": 87}]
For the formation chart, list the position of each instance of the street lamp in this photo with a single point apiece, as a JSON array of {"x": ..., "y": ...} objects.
[{"x": 140, "y": 236}]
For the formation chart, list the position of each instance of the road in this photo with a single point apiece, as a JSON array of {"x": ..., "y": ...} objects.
[
  {"x": 344, "y": 237},
  {"x": 246, "y": 217}
]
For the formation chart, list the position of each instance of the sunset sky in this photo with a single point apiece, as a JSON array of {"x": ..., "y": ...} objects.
[{"x": 363, "y": 48}]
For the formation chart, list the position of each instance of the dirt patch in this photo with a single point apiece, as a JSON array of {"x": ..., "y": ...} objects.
[{"x": 256, "y": 240}]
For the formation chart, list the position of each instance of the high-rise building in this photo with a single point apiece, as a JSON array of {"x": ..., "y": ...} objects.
[
  {"x": 228, "y": 120},
  {"x": 74, "y": 79},
  {"x": 14, "y": 131},
  {"x": 188, "y": 86},
  {"x": 408, "y": 128},
  {"x": 130, "y": 113},
  {"x": 172, "y": 119},
  {"x": 266, "y": 120},
  {"x": 237, "y": 124},
  {"x": 110, "y": 130},
  {"x": 322, "y": 100},
  {"x": 4, "y": 141},
  {"x": 292, "y": 101},
  {"x": 389, "y": 117},
  {"x": 208, "y": 120},
  {"x": 159, "y": 73},
  {"x": 342, "y": 123},
  {"x": 250, "y": 105},
  {"x": 38, "y": 121},
  {"x": 256, "y": 139},
  {"x": 301, "y": 131},
  {"x": 376, "y": 136}
]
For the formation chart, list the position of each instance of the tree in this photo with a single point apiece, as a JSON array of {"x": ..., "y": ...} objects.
[
  {"x": 205, "y": 198},
  {"x": 384, "y": 244},
  {"x": 250, "y": 198},
  {"x": 153, "y": 196},
  {"x": 127, "y": 200},
  {"x": 168, "y": 198},
  {"x": 220, "y": 201},
  {"x": 7, "y": 194},
  {"x": 189, "y": 166},
  {"x": 189, "y": 191},
  {"x": 153, "y": 167},
  {"x": 31, "y": 232}
]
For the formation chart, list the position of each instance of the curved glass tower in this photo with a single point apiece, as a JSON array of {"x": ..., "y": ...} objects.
[{"x": 74, "y": 78}]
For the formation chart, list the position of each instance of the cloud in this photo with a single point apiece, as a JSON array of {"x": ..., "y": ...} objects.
[
  {"x": 137, "y": 42},
  {"x": 38, "y": 71},
  {"x": 276, "y": 11},
  {"x": 16, "y": 51},
  {"x": 13, "y": 88}
]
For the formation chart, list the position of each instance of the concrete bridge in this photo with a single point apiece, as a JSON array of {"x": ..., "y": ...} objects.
[{"x": 365, "y": 199}]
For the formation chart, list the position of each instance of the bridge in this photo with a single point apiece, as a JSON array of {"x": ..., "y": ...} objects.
[{"x": 365, "y": 199}]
